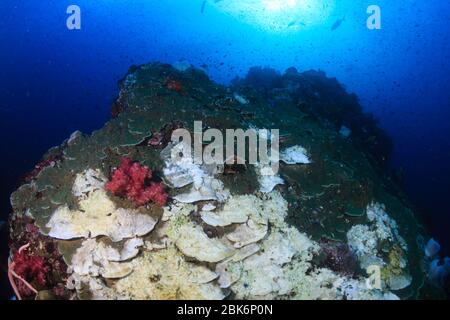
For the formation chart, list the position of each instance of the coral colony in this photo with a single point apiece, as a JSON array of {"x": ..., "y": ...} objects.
[
  {"x": 93, "y": 222},
  {"x": 129, "y": 180},
  {"x": 24, "y": 268}
]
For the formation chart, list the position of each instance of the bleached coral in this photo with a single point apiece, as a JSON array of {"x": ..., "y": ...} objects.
[
  {"x": 255, "y": 255},
  {"x": 364, "y": 244},
  {"x": 97, "y": 214},
  {"x": 386, "y": 227},
  {"x": 267, "y": 179},
  {"x": 247, "y": 233},
  {"x": 366, "y": 240},
  {"x": 165, "y": 274},
  {"x": 236, "y": 210},
  {"x": 295, "y": 155},
  {"x": 130, "y": 250},
  {"x": 265, "y": 274},
  {"x": 88, "y": 181},
  {"x": 181, "y": 171},
  {"x": 95, "y": 259},
  {"x": 193, "y": 242},
  {"x": 177, "y": 209}
]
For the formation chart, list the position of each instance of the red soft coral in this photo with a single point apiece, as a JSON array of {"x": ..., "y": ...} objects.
[
  {"x": 27, "y": 268},
  {"x": 129, "y": 180},
  {"x": 31, "y": 268},
  {"x": 175, "y": 85}
]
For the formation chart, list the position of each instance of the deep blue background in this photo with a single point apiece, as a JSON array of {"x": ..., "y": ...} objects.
[{"x": 54, "y": 81}]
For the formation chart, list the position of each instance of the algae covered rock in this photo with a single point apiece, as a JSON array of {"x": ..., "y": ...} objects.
[{"x": 230, "y": 230}]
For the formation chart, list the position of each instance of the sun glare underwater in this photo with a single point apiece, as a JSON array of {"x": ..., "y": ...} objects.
[
  {"x": 277, "y": 15},
  {"x": 225, "y": 149}
]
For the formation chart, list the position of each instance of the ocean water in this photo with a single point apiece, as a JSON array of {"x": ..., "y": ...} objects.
[{"x": 54, "y": 80}]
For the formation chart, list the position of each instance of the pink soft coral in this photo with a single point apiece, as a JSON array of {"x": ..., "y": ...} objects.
[{"x": 129, "y": 180}]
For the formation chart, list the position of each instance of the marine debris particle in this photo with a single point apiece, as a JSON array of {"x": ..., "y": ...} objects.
[
  {"x": 213, "y": 239},
  {"x": 129, "y": 180}
]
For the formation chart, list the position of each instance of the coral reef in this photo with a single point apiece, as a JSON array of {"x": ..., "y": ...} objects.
[
  {"x": 98, "y": 223},
  {"x": 324, "y": 99}
]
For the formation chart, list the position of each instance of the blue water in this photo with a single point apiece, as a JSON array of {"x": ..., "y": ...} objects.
[{"x": 54, "y": 81}]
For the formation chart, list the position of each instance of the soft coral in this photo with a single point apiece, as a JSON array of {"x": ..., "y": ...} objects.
[
  {"x": 175, "y": 85},
  {"x": 27, "y": 268},
  {"x": 129, "y": 180}
]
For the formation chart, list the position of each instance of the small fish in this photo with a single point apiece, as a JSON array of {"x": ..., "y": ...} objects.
[
  {"x": 202, "y": 10},
  {"x": 294, "y": 23},
  {"x": 337, "y": 24}
]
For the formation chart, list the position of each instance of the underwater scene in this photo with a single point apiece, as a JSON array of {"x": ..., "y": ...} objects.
[{"x": 224, "y": 150}]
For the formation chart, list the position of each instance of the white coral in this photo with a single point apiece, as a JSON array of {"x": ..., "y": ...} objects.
[
  {"x": 295, "y": 155},
  {"x": 87, "y": 182}
]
